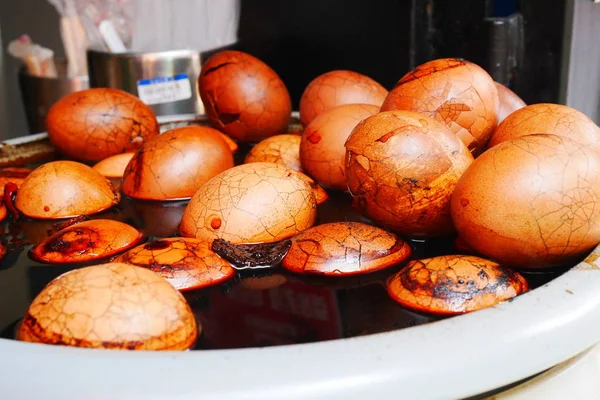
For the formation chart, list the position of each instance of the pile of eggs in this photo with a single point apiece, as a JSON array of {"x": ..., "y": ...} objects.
[{"x": 447, "y": 153}]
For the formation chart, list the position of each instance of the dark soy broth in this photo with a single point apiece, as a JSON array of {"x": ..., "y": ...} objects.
[{"x": 256, "y": 308}]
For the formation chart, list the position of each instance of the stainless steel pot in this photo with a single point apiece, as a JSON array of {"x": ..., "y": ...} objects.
[
  {"x": 40, "y": 93},
  {"x": 166, "y": 80}
]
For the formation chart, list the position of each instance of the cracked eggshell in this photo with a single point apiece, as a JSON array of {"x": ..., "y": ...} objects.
[
  {"x": 338, "y": 87},
  {"x": 509, "y": 102},
  {"x": 64, "y": 189},
  {"x": 244, "y": 97},
  {"x": 530, "y": 202},
  {"x": 280, "y": 149},
  {"x": 454, "y": 284},
  {"x": 175, "y": 164},
  {"x": 548, "y": 118},
  {"x": 322, "y": 150},
  {"x": 401, "y": 169},
  {"x": 344, "y": 248},
  {"x": 250, "y": 203},
  {"x": 110, "y": 306},
  {"x": 93, "y": 124},
  {"x": 455, "y": 92},
  {"x": 86, "y": 241}
]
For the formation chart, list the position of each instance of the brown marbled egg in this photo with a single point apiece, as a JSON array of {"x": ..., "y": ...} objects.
[
  {"x": 175, "y": 164},
  {"x": 344, "y": 248},
  {"x": 250, "y": 203},
  {"x": 113, "y": 166},
  {"x": 454, "y": 284},
  {"x": 64, "y": 189},
  {"x": 401, "y": 169},
  {"x": 93, "y": 124},
  {"x": 86, "y": 241},
  {"x": 322, "y": 150},
  {"x": 280, "y": 149},
  {"x": 530, "y": 202},
  {"x": 243, "y": 96},
  {"x": 110, "y": 306},
  {"x": 509, "y": 102},
  {"x": 335, "y": 88},
  {"x": 186, "y": 263},
  {"x": 455, "y": 92},
  {"x": 548, "y": 118}
]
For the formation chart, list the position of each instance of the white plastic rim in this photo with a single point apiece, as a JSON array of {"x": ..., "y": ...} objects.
[{"x": 452, "y": 358}]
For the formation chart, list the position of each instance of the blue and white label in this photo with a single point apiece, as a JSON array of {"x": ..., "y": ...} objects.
[{"x": 164, "y": 89}]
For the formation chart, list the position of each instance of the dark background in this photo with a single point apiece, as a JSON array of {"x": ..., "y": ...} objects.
[{"x": 385, "y": 39}]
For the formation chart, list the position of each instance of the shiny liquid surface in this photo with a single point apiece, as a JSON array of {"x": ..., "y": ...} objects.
[{"x": 256, "y": 308}]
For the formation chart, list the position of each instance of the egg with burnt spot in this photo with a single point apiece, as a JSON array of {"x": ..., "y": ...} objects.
[
  {"x": 401, "y": 169},
  {"x": 64, "y": 189},
  {"x": 455, "y": 92},
  {"x": 530, "y": 202},
  {"x": 322, "y": 150},
  {"x": 243, "y": 96},
  {"x": 175, "y": 164},
  {"x": 86, "y": 241},
  {"x": 548, "y": 118},
  {"x": 110, "y": 306},
  {"x": 454, "y": 284},
  {"x": 93, "y": 124},
  {"x": 338, "y": 87},
  {"x": 250, "y": 203}
]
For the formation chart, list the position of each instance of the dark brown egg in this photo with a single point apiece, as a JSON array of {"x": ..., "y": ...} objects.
[
  {"x": 335, "y": 88},
  {"x": 322, "y": 150},
  {"x": 110, "y": 306},
  {"x": 454, "y": 284},
  {"x": 64, "y": 189},
  {"x": 530, "y": 202},
  {"x": 14, "y": 175},
  {"x": 186, "y": 263},
  {"x": 344, "y": 248},
  {"x": 509, "y": 102},
  {"x": 87, "y": 241},
  {"x": 175, "y": 164},
  {"x": 113, "y": 166},
  {"x": 93, "y": 124},
  {"x": 401, "y": 169},
  {"x": 457, "y": 93},
  {"x": 553, "y": 119},
  {"x": 250, "y": 203},
  {"x": 280, "y": 149},
  {"x": 244, "y": 97}
]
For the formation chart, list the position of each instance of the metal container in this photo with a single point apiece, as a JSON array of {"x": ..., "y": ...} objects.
[
  {"x": 40, "y": 93},
  {"x": 166, "y": 80}
]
